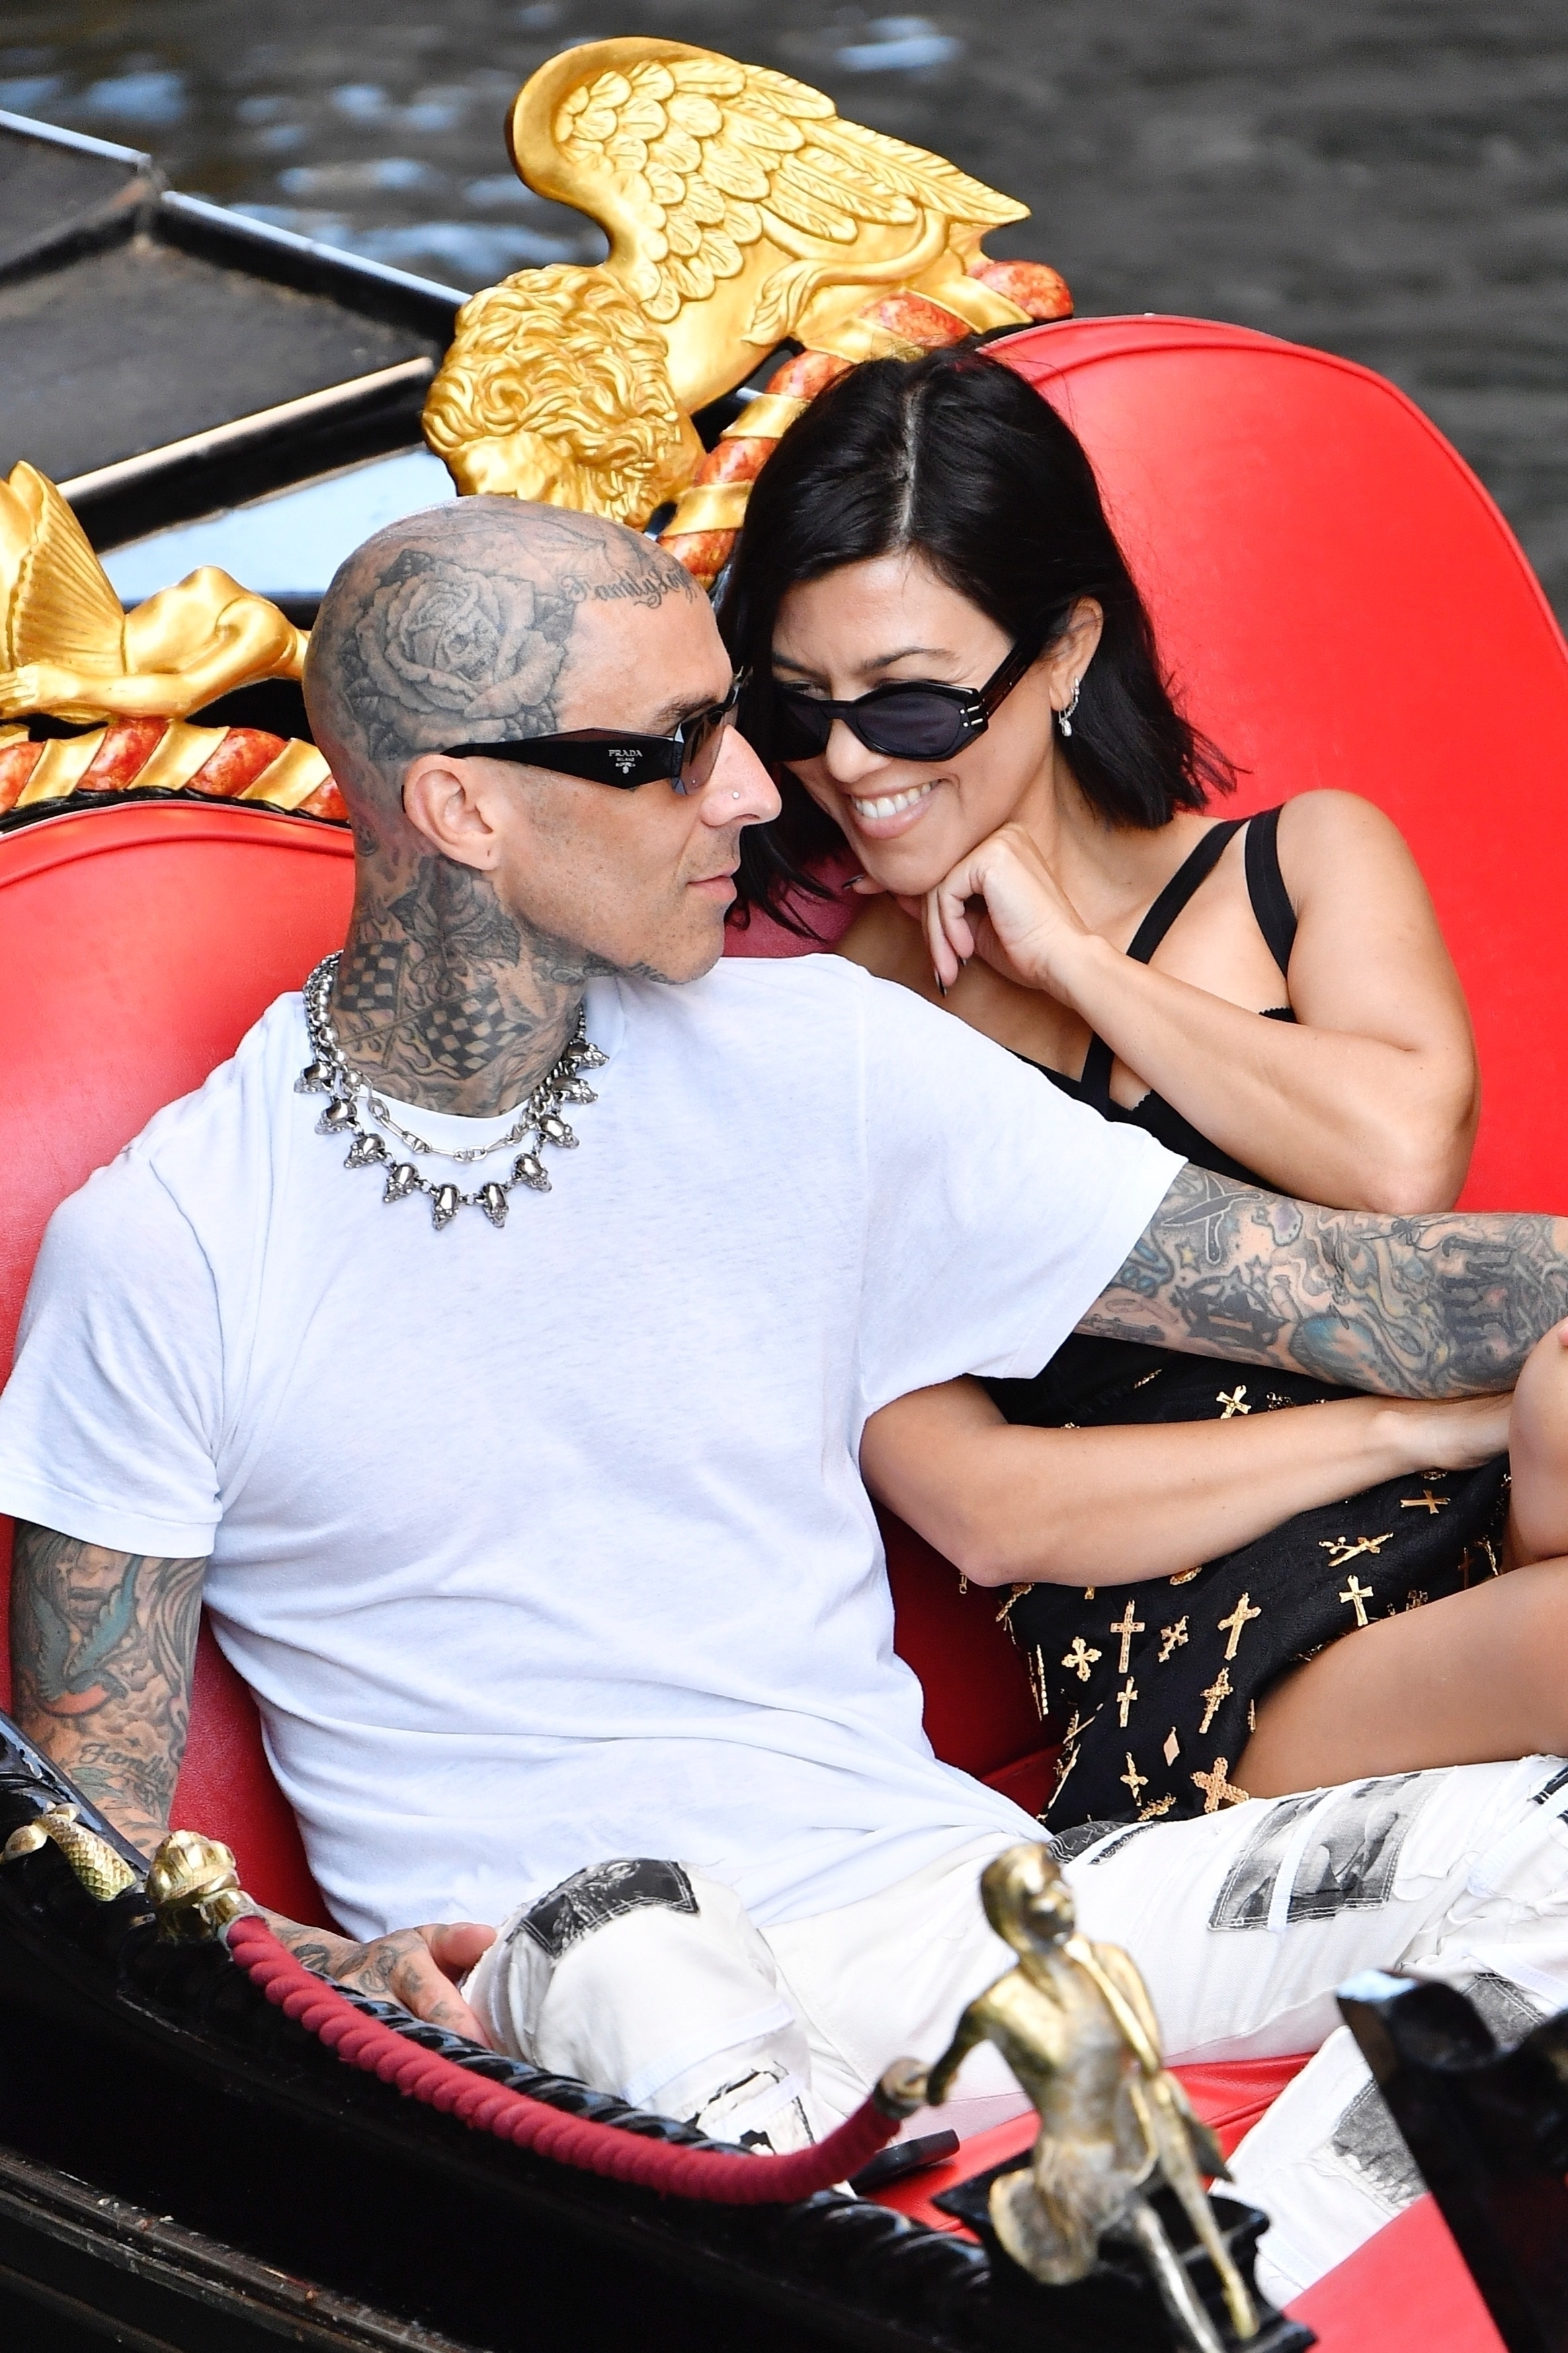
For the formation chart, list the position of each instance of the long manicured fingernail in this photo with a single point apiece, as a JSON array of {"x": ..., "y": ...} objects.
[
  {"x": 853, "y": 880},
  {"x": 941, "y": 983}
]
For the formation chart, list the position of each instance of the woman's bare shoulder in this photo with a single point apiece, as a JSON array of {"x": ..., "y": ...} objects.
[{"x": 1327, "y": 836}]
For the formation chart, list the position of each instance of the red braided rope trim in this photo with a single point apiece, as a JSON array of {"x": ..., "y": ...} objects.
[{"x": 675, "y": 2169}]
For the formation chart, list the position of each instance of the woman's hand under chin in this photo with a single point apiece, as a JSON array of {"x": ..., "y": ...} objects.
[{"x": 1025, "y": 926}]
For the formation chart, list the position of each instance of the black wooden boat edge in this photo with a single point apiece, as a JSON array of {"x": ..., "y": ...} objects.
[{"x": 290, "y": 442}]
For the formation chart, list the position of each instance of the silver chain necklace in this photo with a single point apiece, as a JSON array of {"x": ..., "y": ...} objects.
[{"x": 330, "y": 1073}]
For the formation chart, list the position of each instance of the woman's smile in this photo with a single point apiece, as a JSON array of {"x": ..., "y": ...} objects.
[{"x": 890, "y": 813}]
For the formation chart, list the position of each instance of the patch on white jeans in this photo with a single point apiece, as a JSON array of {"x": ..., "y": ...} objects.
[
  {"x": 592, "y": 1899},
  {"x": 1346, "y": 1865},
  {"x": 1066, "y": 1846},
  {"x": 1508, "y": 2014},
  {"x": 1368, "y": 2144}
]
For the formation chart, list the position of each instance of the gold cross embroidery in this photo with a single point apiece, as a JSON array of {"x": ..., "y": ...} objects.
[
  {"x": 1069, "y": 1759},
  {"x": 1232, "y": 1400},
  {"x": 1357, "y": 1594},
  {"x": 1341, "y": 1552},
  {"x": 1160, "y": 1806},
  {"x": 1124, "y": 1699},
  {"x": 1483, "y": 1545},
  {"x": 1171, "y": 1638},
  {"x": 1218, "y": 1691},
  {"x": 1424, "y": 1502},
  {"x": 1187, "y": 1575},
  {"x": 1126, "y": 1626},
  {"x": 1217, "y": 1790},
  {"x": 1080, "y": 1658},
  {"x": 1237, "y": 1623},
  {"x": 1133, "y": 1779}
]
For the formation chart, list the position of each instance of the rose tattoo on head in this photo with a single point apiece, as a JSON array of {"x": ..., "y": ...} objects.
[{"x": 458, "y": 653}]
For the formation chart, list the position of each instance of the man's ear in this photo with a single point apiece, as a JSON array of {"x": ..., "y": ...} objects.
[{"x": 455, "y": 805}]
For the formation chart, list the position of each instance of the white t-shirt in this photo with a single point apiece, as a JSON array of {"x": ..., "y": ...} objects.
[{"x": 546, "y": 1545}]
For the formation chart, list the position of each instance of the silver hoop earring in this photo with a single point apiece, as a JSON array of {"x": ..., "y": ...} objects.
[{"x": 1063, "y": 717}]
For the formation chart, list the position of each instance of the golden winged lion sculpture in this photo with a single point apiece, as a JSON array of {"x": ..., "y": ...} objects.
[{"x": 742, "y": 212}]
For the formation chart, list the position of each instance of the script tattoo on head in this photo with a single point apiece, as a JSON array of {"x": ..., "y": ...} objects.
[
  {"x": 456, "y": 626},
  {"x": 102, "y": 1646},
  {"x": 1441, "y": 1305}
]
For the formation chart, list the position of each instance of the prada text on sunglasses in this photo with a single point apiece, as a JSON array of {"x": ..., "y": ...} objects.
[
  {"x": 902, "y": 721},
  {"x": 605, "y": 756}
]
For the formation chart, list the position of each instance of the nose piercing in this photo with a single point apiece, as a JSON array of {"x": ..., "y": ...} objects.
[{"x": 735, "y": 796}]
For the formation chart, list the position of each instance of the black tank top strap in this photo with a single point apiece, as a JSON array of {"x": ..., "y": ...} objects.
[
  {"x": 1276, "y": 917},
  {"x": 1194, "y": 871}
]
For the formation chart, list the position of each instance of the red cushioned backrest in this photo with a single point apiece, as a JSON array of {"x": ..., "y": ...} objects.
[
  {"x": 1341, "y": 603},
  {"x": 137, "y": 946}
]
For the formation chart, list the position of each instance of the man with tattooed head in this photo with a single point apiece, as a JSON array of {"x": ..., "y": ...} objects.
[{"x": 490, "y": 1344}]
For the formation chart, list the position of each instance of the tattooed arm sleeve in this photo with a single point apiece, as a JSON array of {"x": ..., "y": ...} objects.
[
  {"x": 1444, "y": 1305},
  {"x": 102, "y": 1645}
]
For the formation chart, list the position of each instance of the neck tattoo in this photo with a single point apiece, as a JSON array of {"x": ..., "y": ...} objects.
[{"x": 538, "y": 1123}]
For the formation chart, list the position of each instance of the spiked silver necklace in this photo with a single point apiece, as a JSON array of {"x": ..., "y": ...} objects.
[{"x": 538, "y": 1123}]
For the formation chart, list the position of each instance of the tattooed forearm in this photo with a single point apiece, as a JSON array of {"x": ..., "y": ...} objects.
[
  {"x": 102, "y": 1645},
  {"x": 1445, "y": 1305}
]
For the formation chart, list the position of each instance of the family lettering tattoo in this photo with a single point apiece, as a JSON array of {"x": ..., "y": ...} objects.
[{"x": 1441, "y": 1305}]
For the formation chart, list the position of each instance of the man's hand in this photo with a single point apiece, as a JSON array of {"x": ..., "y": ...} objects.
[
  {"x": 1446, "y": 1304},
  {"x": 420, "y": 1967}
]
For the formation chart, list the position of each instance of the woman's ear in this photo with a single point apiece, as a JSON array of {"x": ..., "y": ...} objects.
[
  {"x": 1068, "y": 658},
  {"x": 1086, "y": 626},
  {"x": 450, "y": 804}
]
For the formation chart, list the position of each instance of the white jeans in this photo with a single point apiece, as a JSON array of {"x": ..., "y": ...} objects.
[{"x": 653, "y": 1982}]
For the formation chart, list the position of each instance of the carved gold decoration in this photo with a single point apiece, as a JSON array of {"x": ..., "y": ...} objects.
[
  {"x": 556, "y": 389},
  {"x": 194, "y": 1887},
  {"x": 741, "y": 211},
  {"x": 245, "y": 763},
  {"x": 67, "y": 646},
  {"x": 69, "y": 650},
  {"x": 103, "y": 1872},
  {"x": 1075, "y": 2024}
]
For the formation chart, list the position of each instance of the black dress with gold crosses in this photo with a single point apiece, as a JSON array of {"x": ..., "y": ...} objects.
[{"x": 1152, "y": 1689}]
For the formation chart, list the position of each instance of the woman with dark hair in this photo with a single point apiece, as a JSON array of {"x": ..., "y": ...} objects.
[{"x": 956, "y": 680}]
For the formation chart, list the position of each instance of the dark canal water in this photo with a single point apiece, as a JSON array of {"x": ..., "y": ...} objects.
[{"x": 1385, "y": 178}]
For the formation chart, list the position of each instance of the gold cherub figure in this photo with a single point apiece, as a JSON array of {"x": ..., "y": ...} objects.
[
  {"x": 1074, "y": 2022},
  {"x": 67, "y": 646}
]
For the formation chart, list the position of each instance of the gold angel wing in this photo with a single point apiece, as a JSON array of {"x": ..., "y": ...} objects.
[
  {"x": 55, "y": 601},
  {"x": 739, "y": 206}
]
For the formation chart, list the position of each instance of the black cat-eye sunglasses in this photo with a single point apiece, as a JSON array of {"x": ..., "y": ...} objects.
[
  {"x": 605, "y": 756},
  {"x": 917, "y": 721}
]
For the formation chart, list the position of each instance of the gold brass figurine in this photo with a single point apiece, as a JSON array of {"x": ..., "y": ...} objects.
[
  {"x": 194, "y": 1887},
  {"x": 742, "y": 212},
  {"x": 1074, "y": 2023},
  {"x": 69, "y": 648},
  {"x": 103, "y": 1872}
]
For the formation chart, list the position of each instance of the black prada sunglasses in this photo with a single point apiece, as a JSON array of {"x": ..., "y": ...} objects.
[
  {"x": 916, "y": 721},
  {"x": 604, "y": 755}
]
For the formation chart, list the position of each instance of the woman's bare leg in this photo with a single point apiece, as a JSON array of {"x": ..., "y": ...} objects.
[
  {"x": 1475, "y": 1677},
  {"x": 1465, "y": 1680}
]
